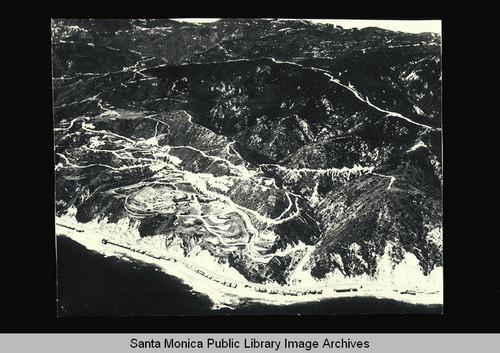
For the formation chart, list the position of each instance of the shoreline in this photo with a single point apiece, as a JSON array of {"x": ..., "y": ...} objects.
[{"x": 225, "y": 287}]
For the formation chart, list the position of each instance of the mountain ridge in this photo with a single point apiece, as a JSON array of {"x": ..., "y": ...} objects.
[{"x": 263, "y": 134}]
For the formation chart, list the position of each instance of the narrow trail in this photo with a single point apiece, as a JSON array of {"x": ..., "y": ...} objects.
[
  {"x": 386, "y": 176},
  {"x": 291, "y": 211},
  {"x": 240, "y": 169},
  {"x": 355, "y": 92},
  {"x": 72, "y": 122},
  {"x": 357, "y": 170},
  {"x": 105, "y": 132},
  {"x": 72, "y": 165},
  {"x": 323, "y": 171},
  {"x": 248, "y": 215},
  {"x": 327, "y": 73}
]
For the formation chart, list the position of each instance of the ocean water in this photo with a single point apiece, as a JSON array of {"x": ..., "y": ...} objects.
[{"x": 92, "y": 285}]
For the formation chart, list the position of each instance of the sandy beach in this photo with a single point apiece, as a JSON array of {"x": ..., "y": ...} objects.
[{"x": 224, "y": 285}]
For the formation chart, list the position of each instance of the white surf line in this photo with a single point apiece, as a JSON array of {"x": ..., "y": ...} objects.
[
  {"x": 75, "y": 226},
  {"x": 355, "y": 92},
  {"x": 81, "y": 233},
  {"x": 71, "y": 228},
  {"x": 240, "y": 209}
]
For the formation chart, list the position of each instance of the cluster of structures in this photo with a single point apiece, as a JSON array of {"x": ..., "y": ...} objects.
[{"x": 227, "y": 282}]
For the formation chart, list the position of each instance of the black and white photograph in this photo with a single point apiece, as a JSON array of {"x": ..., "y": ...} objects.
[{"x": 247, "y": 166}]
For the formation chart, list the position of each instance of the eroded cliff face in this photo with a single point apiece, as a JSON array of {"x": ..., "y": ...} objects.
[{"x": 280, "y": 147}]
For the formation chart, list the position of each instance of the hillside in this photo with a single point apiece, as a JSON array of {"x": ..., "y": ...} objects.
[{"x": 254, "y": 140}]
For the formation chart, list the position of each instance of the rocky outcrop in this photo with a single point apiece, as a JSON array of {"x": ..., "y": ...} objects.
[{"x": 254, "y": 138}]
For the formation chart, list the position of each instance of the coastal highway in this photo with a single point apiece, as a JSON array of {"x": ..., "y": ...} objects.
[{"x": 271, "y": 292}]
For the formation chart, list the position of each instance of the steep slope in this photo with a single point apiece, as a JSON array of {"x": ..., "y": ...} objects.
[{"x": 280, "y": 147}]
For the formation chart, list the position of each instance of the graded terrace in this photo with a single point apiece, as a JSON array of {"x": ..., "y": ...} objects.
[{"x": 256, "y": 160}]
